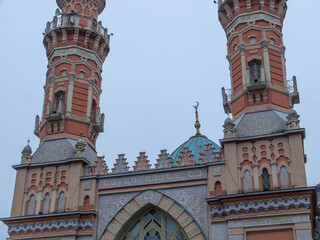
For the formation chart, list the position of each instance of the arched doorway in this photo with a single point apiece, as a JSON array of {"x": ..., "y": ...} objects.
[{"x": 154, "y": 224}]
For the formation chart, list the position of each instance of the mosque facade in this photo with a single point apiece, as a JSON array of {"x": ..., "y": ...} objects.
[{"x": 250, "y": 186}]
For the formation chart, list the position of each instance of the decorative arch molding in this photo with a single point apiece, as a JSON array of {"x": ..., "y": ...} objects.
[{"x": 140, "y": 203}]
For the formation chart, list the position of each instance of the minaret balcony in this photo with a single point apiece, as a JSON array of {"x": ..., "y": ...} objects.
[
  {"x": 256, "y": 86},
  {"x": 55, "y": 114},
  {"x": 77, "y": 21},
  {"x": 98, "y": 125}
]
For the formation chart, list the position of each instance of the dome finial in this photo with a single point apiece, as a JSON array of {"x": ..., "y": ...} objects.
[{"x": 197, "y": 125}]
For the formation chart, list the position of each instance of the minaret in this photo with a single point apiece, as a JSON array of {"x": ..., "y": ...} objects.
[
  {"x": 76, "y": 46},
  {"x": 256, "y": 55}
]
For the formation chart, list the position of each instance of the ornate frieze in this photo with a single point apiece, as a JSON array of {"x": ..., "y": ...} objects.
[
  {"x": 266, "y": 205},
  {"x": 75, "y": 50},
  {"x": 50, "y": 226},
  {"x": 248, "y": 17},
  {"x": 152, "y": 178}
]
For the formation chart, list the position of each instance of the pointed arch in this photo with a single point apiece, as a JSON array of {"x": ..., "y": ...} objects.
[{"x": 151, "y": 199}]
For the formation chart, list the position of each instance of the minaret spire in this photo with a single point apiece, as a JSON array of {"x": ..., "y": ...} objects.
[{"x": 197, "y": 125}]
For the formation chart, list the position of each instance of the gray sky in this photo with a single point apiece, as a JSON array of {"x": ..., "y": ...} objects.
[{"x": 165, "y": 55}]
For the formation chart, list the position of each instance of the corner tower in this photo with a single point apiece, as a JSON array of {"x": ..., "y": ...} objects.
[
  {"x": 256, "y": 55},
  {"x": 76, "y": 46}
]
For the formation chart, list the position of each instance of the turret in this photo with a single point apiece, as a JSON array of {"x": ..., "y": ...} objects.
[
  {"x": 76, "y": 46},
  {"x": 256, "y": 55}
]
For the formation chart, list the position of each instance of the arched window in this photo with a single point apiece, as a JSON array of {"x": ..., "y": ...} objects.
[
  {"x": 217, "y": 189},
  {"x": 284, "y": 178},
  {"x": 252, "y": 40},
  {"x": 61, "y": 202},
  {"x": 154, "y": 225},
  {"x": 59, "y": 101},
  {"x": 31, "y": 205},
  {"x": 265, "y": 180},
  {"x": 46, "y": 204},
  {"x": 86, "y": 203},
  {"x": 255, "y": 71},
  {"x": 63, "y": 73},
  {"x": 247, "y": 181}
]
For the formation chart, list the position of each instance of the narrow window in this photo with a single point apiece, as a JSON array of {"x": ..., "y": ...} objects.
[
  {"x": 63, "y": 73},
  {"x": 61, "y": 202},
  {"x": 284, "y": 178},
  {"x": 46, "y": 204},
  {"x": 255, "y": 71},
  {"x": 252, "y": 40},
  {"x": 31, "y": 205},
  {"x": 217, "y": 189},
  {"x": 82, "y": 74},
  {"x": 247, "y": 182},
  {"x": 59, "y": 101},
  {"x": 265, "y": 180},
  {"x": 86, "y": 203},
  {"x": 93, "y": 111},
  {"x": 273, "y": 41}
]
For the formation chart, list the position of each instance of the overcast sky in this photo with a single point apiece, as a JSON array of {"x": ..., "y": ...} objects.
[{"x": 165, "y": 55}]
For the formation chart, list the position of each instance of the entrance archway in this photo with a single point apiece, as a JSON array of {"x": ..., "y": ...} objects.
[{"x": 125, "y": 224}]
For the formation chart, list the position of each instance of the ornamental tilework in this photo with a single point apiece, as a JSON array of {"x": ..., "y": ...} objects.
[
  {"x": 148, "y": 197},
  {"x": 112, "y": 229},
  {"x": 195, "y": 231},
  {"x": 219, "y": 231},
  {"x": 304, "y": 234},
  {"x": 177, "y": 212},
  {"x": 49, "y": 226},
  {"x": 120, "y": 218},
  {"x": 109, "y": 206},
  {"x": 168, "y": 204},
  {"x": 259, "y": 123},
  {"x": 275, "y": 204},
  {"x": 193, "y": 200},
  {"x": 186, "y": 221}
]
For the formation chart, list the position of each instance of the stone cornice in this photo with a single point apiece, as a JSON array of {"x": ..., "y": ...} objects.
[{"x": 100, "y": 3}]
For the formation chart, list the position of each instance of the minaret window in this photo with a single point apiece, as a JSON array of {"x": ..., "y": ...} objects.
[
  {"x": 46, "y": 204},
  {"x": 61, "y": 202},
  {"x": 63, "y": 73},
  {"x": 93, "y": 111},
  {"x": 59, "y": 100},
  {"x": 31, "y": 205},
  {"x": 252, "y": 40},
  {"x": 81, "y": 74},
  {"x": 255, "y": 71},
  {"x": 265, "y": 180}
]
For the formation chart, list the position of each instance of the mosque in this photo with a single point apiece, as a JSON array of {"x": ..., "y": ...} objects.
[{"x": 249, "y": 186}]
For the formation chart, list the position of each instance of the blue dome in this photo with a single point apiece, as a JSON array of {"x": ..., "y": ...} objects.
[{"x": 196, "y": 145}]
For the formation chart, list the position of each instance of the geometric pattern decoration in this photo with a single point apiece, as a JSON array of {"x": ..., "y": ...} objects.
[
  {"x": 142, "y": 164},
  {"x": 163, "y": 161},
  {"x": 137, "y": 206},
  {"x": 121, "y": 165},
  {"x": 266, "y": 205},
  {"x": 185, "y": 158},
  {"x": 100, "y": 167},
  {"x": 49, "y": 226}
]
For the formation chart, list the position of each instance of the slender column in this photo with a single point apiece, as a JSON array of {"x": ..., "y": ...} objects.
[
  {"x": 274, "y": 175},
  {"x": 291, "y": 174},
  {"x": 230, "y": 69},
  {"x": 38, "y": 202},
  {"x": 51, "y": 82},
  {"x": 265, "y": 49},
  {"x": 53, "y": 200},
  {"x": 89, "y": 102},
  {"x": 256, "y": 177},
  {"x": 243, "y": 66},
  {"x": 24, "y": 203},
  {"x": 70, "y": 94},
  {"x": 283, "y": 62},
  {"x": 239, "y": 179}
]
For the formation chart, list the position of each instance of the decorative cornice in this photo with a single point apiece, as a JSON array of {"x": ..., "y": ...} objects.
[
  {"x": 100, "y": 3},
  {"x": 245, "y": 207}
]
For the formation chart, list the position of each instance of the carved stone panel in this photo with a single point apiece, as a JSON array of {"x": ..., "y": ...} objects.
[
  {"x": 193, "y": 199},
  {"x": 247, "y": 181}
]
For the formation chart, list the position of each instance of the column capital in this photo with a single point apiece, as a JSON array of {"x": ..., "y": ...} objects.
[
  {"x": 72, "y": 77},
  {"x": 51, "y": 80},
  {"x": 283, "y": 49},
  {"x": 265, "y": 43},
  {"x": 242, "y": 48}
]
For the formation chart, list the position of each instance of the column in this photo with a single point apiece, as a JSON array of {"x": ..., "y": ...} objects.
[
  {"x": 274, "y": 175},
  {"x": 283, "y": 62},
  {"x": 89, "y": 102},
  {"x": 243, "y": 66},
  {"x": 51, "y": 83},
  {"x": 291, "y": 175},
  {"x": 70, "y": 94},
  {"x": 24, "y": 203},
  {"x": 256, "y": 177},
  {"x": 38, "y": 202},
  {"x": 53, "y": 200},
  {"x": 239, "y": 178},
  {"x": 265, "y": 49}
]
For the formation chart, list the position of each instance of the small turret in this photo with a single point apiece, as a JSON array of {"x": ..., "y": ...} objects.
[
  {"x": 26, "y": 154},
  {"x": 228, "y": 128}
]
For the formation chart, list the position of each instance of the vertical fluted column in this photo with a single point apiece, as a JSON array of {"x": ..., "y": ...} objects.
[
  {"x": 70, "y": 94},
  {"x": 243, "y": 65},
  {"x": 89, "y": 102},
  {"x": 265, "y": 49},
  {"x": 256, "y": 177}
]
